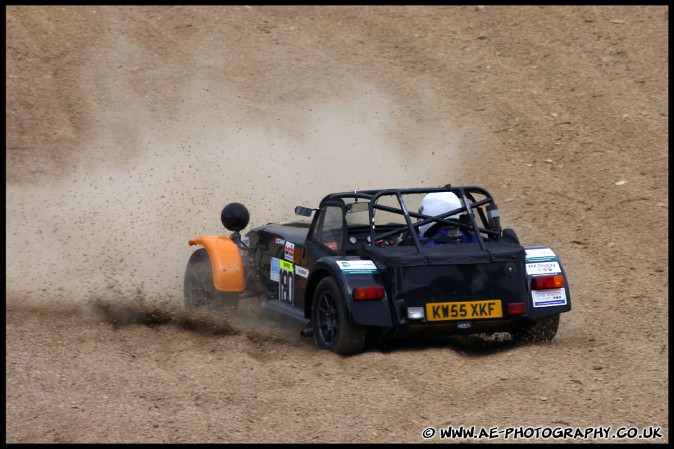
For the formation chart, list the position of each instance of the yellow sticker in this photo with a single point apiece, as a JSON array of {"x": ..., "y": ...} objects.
[{"x": 287, "y": 266}]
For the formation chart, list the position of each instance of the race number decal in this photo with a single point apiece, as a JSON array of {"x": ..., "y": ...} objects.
[{"x": 285, "y": 286}]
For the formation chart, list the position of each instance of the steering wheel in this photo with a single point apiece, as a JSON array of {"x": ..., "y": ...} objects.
[{"x": 405, "y": 239}]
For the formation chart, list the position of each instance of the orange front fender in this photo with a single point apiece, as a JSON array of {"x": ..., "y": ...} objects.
[{"x": 225, "y": 262}]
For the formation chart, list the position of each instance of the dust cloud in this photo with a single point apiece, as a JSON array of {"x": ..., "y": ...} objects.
[{"x": 115, "y": 231}]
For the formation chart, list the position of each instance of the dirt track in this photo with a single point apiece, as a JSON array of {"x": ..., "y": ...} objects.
[{"x": 129, "y": 128}]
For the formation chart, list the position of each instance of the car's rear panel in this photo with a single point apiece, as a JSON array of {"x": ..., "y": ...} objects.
[{"x": 457, "y": 287}]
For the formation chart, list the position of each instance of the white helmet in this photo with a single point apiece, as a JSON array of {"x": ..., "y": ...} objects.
[{"x": 438, "y": 203}]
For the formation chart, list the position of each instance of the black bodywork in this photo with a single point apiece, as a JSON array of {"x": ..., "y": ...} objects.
[{"x": 369, "y": 240}]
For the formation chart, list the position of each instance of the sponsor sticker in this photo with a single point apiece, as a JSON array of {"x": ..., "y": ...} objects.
[
  {"x": 274, "y": 270},
  {"x": 290, "y": 252},
  {"x": 543, "y": 268},
  {"x": 287, "y": 266},
  {"x": 540, "y": 255},
  {"x": 549, "y": 298},
  {"x": 301, "y": 271},
  {"x": 357, "y": 266},
  {"x": 279, "y": 241}
]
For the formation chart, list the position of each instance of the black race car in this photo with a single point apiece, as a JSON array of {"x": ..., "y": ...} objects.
[{"x": 385, "y": 263}]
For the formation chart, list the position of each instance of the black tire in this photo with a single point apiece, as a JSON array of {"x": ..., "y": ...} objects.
[
  {"x": 330, "y": 322},
  {"x": 540, "y": 330},
  {"x": 199, "y": 290}
]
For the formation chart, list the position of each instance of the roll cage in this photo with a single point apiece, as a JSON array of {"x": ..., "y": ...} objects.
[{"x": 478, "y": 213}]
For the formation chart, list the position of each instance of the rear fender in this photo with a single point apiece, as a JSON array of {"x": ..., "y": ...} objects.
[
  {"x": 542, "y": 261},
  {"x": 226, "y": 262},
  {"x": 367, "y": 313}
]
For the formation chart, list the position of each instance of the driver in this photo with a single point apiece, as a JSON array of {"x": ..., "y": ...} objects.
[{"x": 437, "y": 203}]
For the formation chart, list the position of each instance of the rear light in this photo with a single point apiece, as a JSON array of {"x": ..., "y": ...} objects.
[
  {"x": 415, "y": 313},
  {"x": 368, "y": 293},
  {"x": 516, "y": 308},
  {"x": 543, "y": 282}
]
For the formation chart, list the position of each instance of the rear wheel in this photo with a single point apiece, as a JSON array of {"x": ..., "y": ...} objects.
[
  {"x": 199, "y": 290},
  {"x": 330, "y": 322},
  {"x": 539, "y": 330}
]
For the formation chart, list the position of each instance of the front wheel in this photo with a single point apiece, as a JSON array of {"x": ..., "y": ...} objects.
[
  {"x": 535, "y": 331},
  {"x": 330, "y": 322},
  {"x": 199, "y": 290}
]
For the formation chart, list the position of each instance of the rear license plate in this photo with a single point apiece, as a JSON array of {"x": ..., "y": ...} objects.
[{"x": 469, "y": 310}]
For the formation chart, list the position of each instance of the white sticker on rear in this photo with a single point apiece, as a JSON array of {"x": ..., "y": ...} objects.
[
  {"x": 539, "y": 252},
  {"x": 539, "y": 255},
  {"x": 357, "y": 266},
  {"x": 549, "y": 298},
  {"x": 543, "y": 268}
]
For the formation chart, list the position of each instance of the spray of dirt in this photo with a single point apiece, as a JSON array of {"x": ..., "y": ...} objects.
[{"x": 114, "y": 233}]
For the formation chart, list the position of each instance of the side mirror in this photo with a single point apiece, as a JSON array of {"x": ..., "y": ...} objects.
[{"x": 303, "y": 211}]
